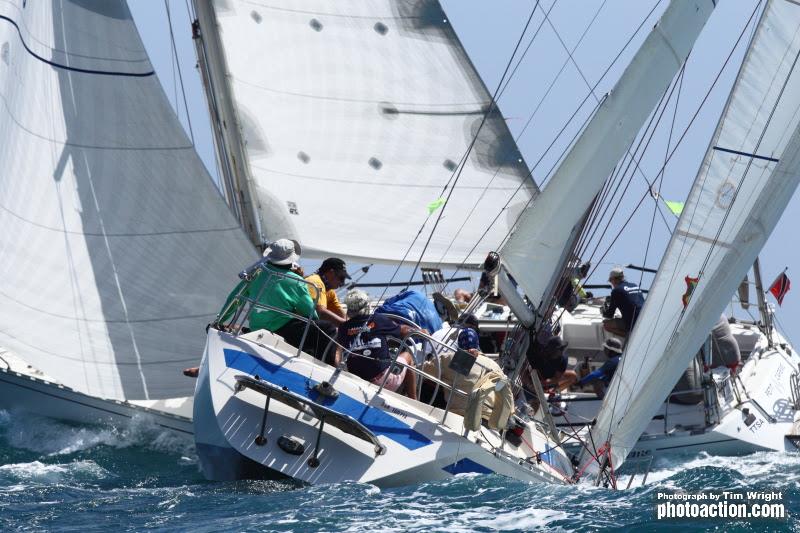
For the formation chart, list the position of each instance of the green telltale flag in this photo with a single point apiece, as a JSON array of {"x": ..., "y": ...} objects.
[
  {"x": 675, "y": 207},
  {"x": 434, "y": 205}
]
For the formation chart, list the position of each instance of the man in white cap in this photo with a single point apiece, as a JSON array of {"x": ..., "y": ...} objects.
[
  {"x": 365, "y": 336},
  {"x": 277, "y": 285},
  {"x": 625, "y": 296}
]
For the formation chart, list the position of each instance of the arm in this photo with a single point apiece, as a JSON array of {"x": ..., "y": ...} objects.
[
  {"x": 304, "y": 305},
  {"x": 591, "y": 376},
  {"x": 326, "y": 314}
]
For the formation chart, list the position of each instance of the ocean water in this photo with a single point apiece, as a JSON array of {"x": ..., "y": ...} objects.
[{"x": 57, "y": 476}]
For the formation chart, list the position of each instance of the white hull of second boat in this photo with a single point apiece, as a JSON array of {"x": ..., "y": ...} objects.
[
  {"x": 753, "y": 412},
  {"x": 415, "y": 445},
  {"x": 25, "y": 389}
]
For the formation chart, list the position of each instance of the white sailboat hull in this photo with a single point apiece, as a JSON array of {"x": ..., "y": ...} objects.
[
  {"x": 755, "y": 412},
  {"x": 416, "y": 446},
  {"x": 24, "y": 389}
]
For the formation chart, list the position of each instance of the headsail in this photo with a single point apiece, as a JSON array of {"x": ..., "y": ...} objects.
[
  {"x": 352, "y": 116},
  {"x": 747, "y": 178},
  {"x": 117, "y": 248},
  {"x": 546, "y": 232}
]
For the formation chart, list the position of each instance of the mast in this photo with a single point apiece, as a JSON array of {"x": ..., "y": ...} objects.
[
  {"x": 546, "y": 233},
  {"x": 230, "y": 146},
  {"x": 763, "y": 309}
]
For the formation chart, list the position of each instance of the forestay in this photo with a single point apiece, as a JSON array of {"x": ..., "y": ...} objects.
[
  {"x": 748, "y": 175},
  {"x": 351, "y": 117},
  {"x": 545, "y": 234},
  {"x": 117, "y": 248}
]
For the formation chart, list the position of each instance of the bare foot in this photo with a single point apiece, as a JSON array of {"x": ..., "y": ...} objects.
[{"x": 191, "y": 372}]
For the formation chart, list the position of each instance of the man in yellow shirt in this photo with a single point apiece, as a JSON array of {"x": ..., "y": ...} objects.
[{"x": 331, "y": 275}]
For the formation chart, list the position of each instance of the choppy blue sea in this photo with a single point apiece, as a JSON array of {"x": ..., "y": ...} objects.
[{"x": 57, "y": 476}]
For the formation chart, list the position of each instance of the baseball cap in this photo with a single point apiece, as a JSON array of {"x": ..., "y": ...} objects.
[
  {"x": 468, "y": 339},
  {"x": 335, "y": 264}
]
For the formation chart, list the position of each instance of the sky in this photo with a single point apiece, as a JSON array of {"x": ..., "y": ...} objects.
[{"x": 489, "y": 32}]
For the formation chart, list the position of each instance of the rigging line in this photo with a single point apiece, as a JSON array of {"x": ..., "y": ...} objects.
[
  {"x": 520, "y": 134},
  {"x": 457, "y": 173},
  {"x": 583, "y": 77},
  {"x": 180, "y": 75},
  {"x": 683, "y": 135},
  {"x": 660, "y": 177},
  {"x": 73, "y": 69},
  {"x": 602, "y": 76},
  {"x": 190, "y": 11},
  {"x": 525, "y": 52},
  {"x": 459, "y": 168},
  {"x": 654, "y": 121},
  {"x": 527, "y": 205}
]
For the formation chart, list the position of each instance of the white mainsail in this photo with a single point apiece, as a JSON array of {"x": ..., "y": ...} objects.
[
  {"x": 534, "y": 253},
  {"x": 117, "y": 248},
  {"x": 747, "y": 178},
  {"x": 348, "y": 118}
]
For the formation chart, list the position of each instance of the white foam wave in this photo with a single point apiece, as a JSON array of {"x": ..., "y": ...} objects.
[
  {"x": 756, "y": 466},
  {"x": 39, "y": 472},
  {"x": 52, "y": 437}
]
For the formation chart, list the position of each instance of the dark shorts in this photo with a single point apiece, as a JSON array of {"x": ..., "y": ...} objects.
[{"x": 618, "y": 324}]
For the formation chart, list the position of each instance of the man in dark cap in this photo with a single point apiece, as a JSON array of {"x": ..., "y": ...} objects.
[
  {"x": 601, "y": 377},
  {"x": 331, "y": 275}
]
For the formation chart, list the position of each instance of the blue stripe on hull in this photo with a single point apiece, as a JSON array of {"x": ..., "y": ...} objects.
[
  {"x": 373, "y": 418},
  {"x": 467, "y": 466}
]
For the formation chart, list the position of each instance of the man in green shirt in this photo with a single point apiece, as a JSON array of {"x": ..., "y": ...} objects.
[{"x": 278, "y": 286}]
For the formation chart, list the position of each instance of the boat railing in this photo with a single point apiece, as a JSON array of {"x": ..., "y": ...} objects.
[
  {"x": 236, "y": 315},
  {"x": 239, "y": 309}
]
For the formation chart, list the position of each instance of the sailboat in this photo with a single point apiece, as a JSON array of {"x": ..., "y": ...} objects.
[
  {"x": 703, "y": 412},
  {"x": 117, "y": 247},
  {"x": 749, "y": 173},
  {"x": 265, "y": 408}
]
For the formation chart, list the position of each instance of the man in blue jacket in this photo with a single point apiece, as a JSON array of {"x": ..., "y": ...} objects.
[
  {"x": 601, "y": 377},
  {"x": 626, "y": 297}
]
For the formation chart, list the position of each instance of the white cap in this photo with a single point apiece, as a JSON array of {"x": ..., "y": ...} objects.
[
  {"x": 357, "y": 302},
  {"x": 282, "y": 252}
]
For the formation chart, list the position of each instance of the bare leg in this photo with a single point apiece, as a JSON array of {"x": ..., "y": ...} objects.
[
  {"x": 461, "y": 295},
  {"x": 410, "y": 379},
  {"x": 567, "y": 379}
]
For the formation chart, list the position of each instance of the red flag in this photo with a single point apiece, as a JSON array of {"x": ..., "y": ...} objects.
[
  {"x": 691, "y": 285},
  {"x": 780, "y": 287}
]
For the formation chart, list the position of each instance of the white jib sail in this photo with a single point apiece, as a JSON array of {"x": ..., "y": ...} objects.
[
  {"x": 748, "y": 175},
  {"x": 546, "y": 230},
  {"x": 353, "y": 115},
  {"x": 116, "y": 248}
]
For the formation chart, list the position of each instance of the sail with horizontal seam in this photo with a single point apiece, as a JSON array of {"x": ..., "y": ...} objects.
[
  {"x": 117, "y": 248},
  {"x": 349, "y": 119}
]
